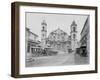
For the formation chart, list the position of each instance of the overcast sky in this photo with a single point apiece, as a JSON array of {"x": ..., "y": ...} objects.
[{"x": 54, "y": 21}]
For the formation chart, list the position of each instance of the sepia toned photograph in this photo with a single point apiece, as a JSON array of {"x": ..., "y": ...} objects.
[{"x": 56, "y": 39}]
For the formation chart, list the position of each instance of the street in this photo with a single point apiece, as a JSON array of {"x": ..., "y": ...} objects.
[{"x": 58, "y": 60}]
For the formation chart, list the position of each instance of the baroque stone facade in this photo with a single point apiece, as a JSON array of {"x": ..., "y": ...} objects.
[{"x": 58, "y": 39}]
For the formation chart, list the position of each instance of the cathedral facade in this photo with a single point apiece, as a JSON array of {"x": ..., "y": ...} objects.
[{"x": 59, "y": 39}]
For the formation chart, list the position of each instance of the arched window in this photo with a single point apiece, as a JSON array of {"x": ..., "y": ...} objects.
[
  {"x": 74, "y": 36},
  {"x": 28, "y": 48},
  {"x": 74, "y": 29},
  {"x": 54, "y": 37}
]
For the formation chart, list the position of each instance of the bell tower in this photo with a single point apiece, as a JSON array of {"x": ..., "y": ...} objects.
[
  {"x": 43, "y": 33},
  {"x": 73, "y": 35}
]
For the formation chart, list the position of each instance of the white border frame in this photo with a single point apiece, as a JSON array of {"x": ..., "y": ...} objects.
[{"x": 38, "y": 70}]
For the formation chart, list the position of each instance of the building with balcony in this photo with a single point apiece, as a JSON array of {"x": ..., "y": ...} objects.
[
  {"x": 31, "y": 42},
  {"x": 85, "y": 37}
]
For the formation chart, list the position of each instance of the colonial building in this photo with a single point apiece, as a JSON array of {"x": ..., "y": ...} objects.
[
  {"x": 31, "y": 42},
  {"x": 73, "y": 34},
  {"x": 85, "y": 36}
]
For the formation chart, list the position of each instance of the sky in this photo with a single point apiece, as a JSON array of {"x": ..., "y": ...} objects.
[{"x": 54, "y": 21}]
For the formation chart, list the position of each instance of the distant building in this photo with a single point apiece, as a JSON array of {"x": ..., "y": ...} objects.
[
  {"x": 85, "y": 36},
  {"x": 73, "y": 34},
  {"x": 58, "y": 39}
]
